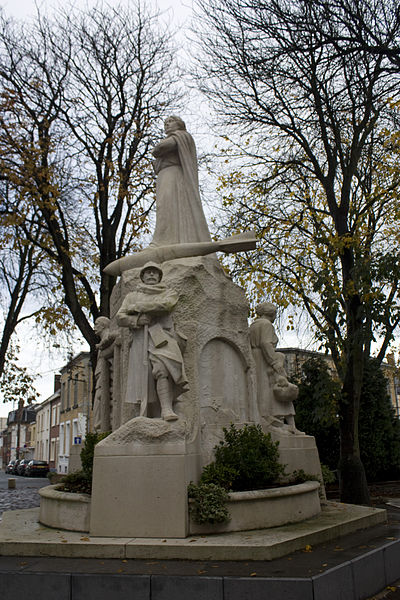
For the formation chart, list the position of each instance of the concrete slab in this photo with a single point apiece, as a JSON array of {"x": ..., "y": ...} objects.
[
  {"x": 110, "y": 587},
  {"x": 22, "y": 535},
  {"x": 244, "y": 588},
  {"x": 35, "y": 586},
  {"x": 369, "y": 573},
  {"x": 392, "y": 561},
  {"x": 335, "y": 583},
  {"x": 182, "y": 588}
]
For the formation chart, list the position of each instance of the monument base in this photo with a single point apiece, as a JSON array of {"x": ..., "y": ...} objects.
[
  {"x": 299, "y": 452},
  {"x": 140, "y": 490}
]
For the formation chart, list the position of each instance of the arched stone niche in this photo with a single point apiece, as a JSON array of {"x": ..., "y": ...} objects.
[
  {"x": 223, "y": 383},
  {"x": 223, "y": 391}
]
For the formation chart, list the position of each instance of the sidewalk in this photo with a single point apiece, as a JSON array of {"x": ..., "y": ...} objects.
[{"x": 356, "y": 566}]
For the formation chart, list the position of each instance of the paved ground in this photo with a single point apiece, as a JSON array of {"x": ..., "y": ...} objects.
[
  {"x": 25, "y": 495},
  {"x": 306, "y": 564}
]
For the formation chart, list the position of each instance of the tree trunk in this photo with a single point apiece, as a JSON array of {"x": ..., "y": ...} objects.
[
  {"x": 352, "y": 479},
  {"x": 353, "y": 482}
]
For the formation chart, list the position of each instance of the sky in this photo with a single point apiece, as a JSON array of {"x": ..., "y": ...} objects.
[{"x": 178, "y": 9}]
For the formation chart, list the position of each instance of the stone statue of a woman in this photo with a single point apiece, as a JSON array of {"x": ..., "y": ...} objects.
[
  {"x": 179, "y": 213},
  {"x": 275, "y": 393}
]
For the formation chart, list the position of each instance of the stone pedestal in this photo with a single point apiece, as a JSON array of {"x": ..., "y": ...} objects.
[
  {"x": 74, "y": 462},
  {"x": 141, "y": 471},
  {"x": 299, "y": 452},
  {"x": 140, "y": 480}
]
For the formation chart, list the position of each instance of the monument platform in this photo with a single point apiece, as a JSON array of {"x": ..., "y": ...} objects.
[
  {"x": 42, "y": 564},
  {"x": 22, "y": 535}
]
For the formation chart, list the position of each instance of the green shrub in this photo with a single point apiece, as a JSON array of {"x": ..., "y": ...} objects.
[
  {"x": 54, "y": 478},
  {"x": 80, "y": 482},
  {"x": 219, "y": 474},
  {"x": 87, "y": 452},
  {"x": 379, "y": 429},
  {"x": 247, "y": 459},
  {"x": 301, "y": 476},
  {"x": 209, "y": 503},
  {"x": 317, "y": 408},
  {"x": 327, "y": 475}
]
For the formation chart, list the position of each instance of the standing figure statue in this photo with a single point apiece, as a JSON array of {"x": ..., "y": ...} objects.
[
  {"x": 156, "y": 373},
  {"x": 179, "y": 213},
  {"x": 275, "y": 393},
  {"x": 102, "y": 405}
]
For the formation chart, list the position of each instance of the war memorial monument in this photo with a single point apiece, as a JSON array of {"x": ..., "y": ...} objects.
[{"x": 177, "y": 363}]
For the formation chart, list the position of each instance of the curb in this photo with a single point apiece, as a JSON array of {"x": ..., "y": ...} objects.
[{"x": 356, "y": 579}]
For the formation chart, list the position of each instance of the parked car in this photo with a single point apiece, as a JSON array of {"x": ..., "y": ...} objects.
[
  {"x": 15, "y": 467},
  {"x": 10, "y": 466},
  {"x": 37, "y": 467},
  {"x": 22, "y": 466}
]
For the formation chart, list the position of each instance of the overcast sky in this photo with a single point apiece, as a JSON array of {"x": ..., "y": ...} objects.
[{"x": 178, "y": 9}]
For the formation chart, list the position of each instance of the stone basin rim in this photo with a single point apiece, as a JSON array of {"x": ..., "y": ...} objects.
[
  {"x": 51, "y": 491},
  {"x": 278, "y": 492}
]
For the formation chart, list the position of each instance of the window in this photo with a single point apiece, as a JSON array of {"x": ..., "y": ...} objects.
[
  {"x": 67, "y": 437},
  {"x": 63, "y": 396},
  {"x": 53, "y": 450},
  {"x": 68, "y": 393},
  {"x": 76, "y": 382},
  {"x": 62, "y": 439},
  {"x": 54, "y": 416}
]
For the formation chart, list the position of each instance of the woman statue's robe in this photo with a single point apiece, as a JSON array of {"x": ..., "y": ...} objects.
[
  {"x": 179, "y": 212},
  {"x": 274, "y": 393}
]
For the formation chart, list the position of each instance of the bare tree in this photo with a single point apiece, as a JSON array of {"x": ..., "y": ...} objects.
[
  {"x": 83, "y": 95},
  {"x": 318, "y": 174},
  {"x": 352, "y": 26}
]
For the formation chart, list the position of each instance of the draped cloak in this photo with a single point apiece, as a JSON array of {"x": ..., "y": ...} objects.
[{"x": 179, "y": 212}]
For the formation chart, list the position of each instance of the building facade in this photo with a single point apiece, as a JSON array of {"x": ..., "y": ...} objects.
[
  {"x": 47, "y": 427},
  {"x": 18, "y": 433},
  {"x": 75, "y": 408},
  {"x": 3, "y": 432}
]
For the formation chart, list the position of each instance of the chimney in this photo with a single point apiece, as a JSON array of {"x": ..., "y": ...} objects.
[
  {"x": 390, "y": 359},
  {"x": 57, "y": 382}
]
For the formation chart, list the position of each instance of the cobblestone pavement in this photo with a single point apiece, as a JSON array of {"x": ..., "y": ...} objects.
[{"x": 25, "y": 495}]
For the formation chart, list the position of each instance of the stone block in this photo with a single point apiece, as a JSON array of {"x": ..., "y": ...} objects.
[
  {"x": 368, "y": 574},
  {"x": 184, "y": 588},
  {"x": 334, "y": 584},
  {"x": 110, "y": 587},
  {"x": 74, "y": 462},
  {"x": 391, "y": 557},
  {"x": 298, "y": 452},
  {"x": 141, "y": 496},
  {"x": 246, "y": 588},
  {"x": 35, "y": 586}
]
